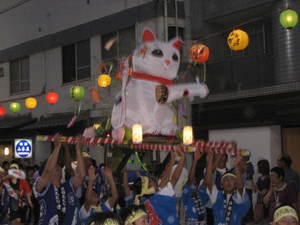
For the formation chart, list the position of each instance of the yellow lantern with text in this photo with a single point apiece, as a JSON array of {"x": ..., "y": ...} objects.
[
  {"x": 30, "y": 103},
  {"x": 137, "y": 133},
  {"x": 104, "y": 80},
  {"x": 188, "y": 135},
  {"x": 238, "y": 40}
]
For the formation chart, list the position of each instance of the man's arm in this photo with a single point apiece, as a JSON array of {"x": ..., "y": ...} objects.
[
  {"x": 197, "y": 156},
  {"x": 239, "y": 179},
  {"x": 50, "y": 165},
  {"x": 90, "y": 196},
  {"x": 209, "y": 170},
  {"x": 114, "y": 192},
  {"x": 79, "y": 177},
  {"x": 165, "y": 177},
  {"x": 178, "y": 169}
]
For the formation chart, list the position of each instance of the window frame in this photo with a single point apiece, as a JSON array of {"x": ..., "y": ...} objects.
[{"x": 20, "y": 76}]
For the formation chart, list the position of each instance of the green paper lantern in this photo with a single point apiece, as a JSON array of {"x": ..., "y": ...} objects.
[
  {"x": 15, "y": 107},
  {"x": 288, "y": 18},
  {"x": 77, "y": 92}
]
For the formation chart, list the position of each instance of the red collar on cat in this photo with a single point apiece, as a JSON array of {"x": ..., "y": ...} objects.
[{"x": 152, "y": 78}]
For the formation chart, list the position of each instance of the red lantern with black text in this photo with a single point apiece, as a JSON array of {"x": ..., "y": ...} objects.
[
  {"x": 52, "y": 97},
  {"x": 199, "y": 53},
  {"x": 2, "y": 110}
]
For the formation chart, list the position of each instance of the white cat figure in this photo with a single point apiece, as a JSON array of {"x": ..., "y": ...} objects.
[{"x": 148, "y": 88}]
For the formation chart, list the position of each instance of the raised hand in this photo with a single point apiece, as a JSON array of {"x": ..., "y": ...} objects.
[
  {"x": 197, "y": 155},
  {"x": 57, "y": 140},
  {"x": 107, "y": 172}
]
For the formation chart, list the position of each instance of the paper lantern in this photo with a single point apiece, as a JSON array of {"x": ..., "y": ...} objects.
[
  {"x": 52, "y": 97},
  {"x": 77, "y": 92},
  {"x": 104, "y": 80},
  {"x": 95, "y": 95},
  {"x": 199, "y": 53},
  {"x": 238, "y": 40},
  {"x": 15, "y": 107},
  {"x": 2, "y": 110},
  {"x": 288, "y": 18},
  {"x": 6, "y": 151},
  {"x": 30, "y": 103},
  {"x": 137, "y": 133},
  {"x": 187, "y": 135}
]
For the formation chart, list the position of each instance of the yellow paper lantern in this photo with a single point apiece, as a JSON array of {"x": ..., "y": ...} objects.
[
  {"x": 30, "y": 103},
  {"x": 104, "y": 80},
  {"x": 238, "y": 40},
  {"x": 137, "y": 134},
  {"x": 188, "y": 135}
]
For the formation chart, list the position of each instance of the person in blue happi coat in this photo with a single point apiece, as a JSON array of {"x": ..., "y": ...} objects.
[{"x": 231, "y": 204}]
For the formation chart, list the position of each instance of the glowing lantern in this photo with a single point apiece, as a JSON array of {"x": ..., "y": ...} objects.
[
  {"x": 30, "y": 103},
  {"x": 15, "y": 107},
  {"x": 238, "y": 40},
  {"x": 199, "y": 53},
  {"x": 95, "y": 95},
  {"x": 2, "y": 110},
  {"x": 187, "y": 135},
  {"x": 137, "y": 133},
  {"x": 77, "y": 92},
  {"x": 288, "y": 18},
  {"x": 104, "y": 80},
  {"x": 52, "y": 97},
  {"x": 6, "y": 151}
]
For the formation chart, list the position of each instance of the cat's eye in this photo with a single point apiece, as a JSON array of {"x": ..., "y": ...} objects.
[
  {"x": 157, "y": 53},
  {"x": 175, "y": 57}
]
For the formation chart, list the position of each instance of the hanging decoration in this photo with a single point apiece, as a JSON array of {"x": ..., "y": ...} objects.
[
  {"x": 30, "y": 103},
  {"x": 15, "y": 107},
  {"x": 77, "y": 92},
  {"x": 104, "y": 80},
  {"x": 52, "y": 98},
  {"x": 95, "y": 95},
  {"x": 288, "y": 18},
  {"x": 187, "y": 135},
  {"x": 2, "y": 111},
  {"x": 137, "y": 133},
  {"x": 199, "y": 53},
  {"x": 238, "y": 40}
]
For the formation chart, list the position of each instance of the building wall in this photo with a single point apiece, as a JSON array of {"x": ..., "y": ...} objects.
[{"x": 262, "y": 142}]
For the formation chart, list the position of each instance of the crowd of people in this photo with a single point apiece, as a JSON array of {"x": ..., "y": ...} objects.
[{"x": 66, "y": 191}]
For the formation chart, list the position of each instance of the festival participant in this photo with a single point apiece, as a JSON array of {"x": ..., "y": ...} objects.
[
  {"x": 107, "y": 218},
  {"x": 19, "y": 210},
  {"x": 93, "y": 202},
  {"x": 230, "y": 205},
  {"x": 4, "y": 200},
  {"x": 285, "y": 215},
  {"x": 194, "y": 198},
  {"x": 159, "y": 199},
  {"x": 58, "y": 201},
  {"x": 280, "y": 193},
  {"x": 134, "y": 215},
  {"x": 220, "y": 169}
]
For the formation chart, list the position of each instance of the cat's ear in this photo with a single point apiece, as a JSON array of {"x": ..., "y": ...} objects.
[
  {"x": 176, "y": 43},
  {"x": 148, "y": 35}
]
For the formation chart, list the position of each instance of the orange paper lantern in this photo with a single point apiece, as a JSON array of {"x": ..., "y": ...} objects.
[
  {"x": 30, "y": 103},
  {"x": 104, "y": 80},
  {"x": 52, "y": 97},
  {"x": 95, "y": 95},
  {"x": 199, "y": 53}
]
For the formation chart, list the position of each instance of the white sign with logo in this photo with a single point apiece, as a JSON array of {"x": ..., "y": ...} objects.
[{"x": 23, "y": 148}]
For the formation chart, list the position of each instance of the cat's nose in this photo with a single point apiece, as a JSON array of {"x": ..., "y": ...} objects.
[{"x": 168, "y": 62}]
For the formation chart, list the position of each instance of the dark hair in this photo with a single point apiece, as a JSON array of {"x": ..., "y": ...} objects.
[
  {"x": 100, "y": 218},
  {"x": 126, "y": 212},
  {"x": 137, "y": 186},
  {"x": 279, "y": 171},
  {"x": 287, "y": 160},
  {"x": 263, "y": 167},
  {"x": 5, "y": 163}
]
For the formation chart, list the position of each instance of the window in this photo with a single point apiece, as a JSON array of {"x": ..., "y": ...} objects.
[
  {"x": 1, "y": 72},
  {"x": 76, "y": 61},
  {"x": 124, "y": 45},
  {"x": 172, "y": 32},
  {"x": 19, "y": 75}
]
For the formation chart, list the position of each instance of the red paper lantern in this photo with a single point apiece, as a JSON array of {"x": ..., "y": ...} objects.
[
  {"x": 199, "y": 53},
  {"x": 52, "y": 97},
  {"x": 2, "y": 110}
]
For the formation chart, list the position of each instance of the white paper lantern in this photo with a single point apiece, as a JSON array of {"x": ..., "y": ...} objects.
[
  {"x": 188, "y": 135},
  {"x": 137, "y": 134}
]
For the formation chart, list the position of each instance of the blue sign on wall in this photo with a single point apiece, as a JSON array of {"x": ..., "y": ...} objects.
[{"x": 23, "y": 148}]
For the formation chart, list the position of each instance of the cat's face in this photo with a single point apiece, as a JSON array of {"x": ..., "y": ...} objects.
[{"x": 157, "y": 58}]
